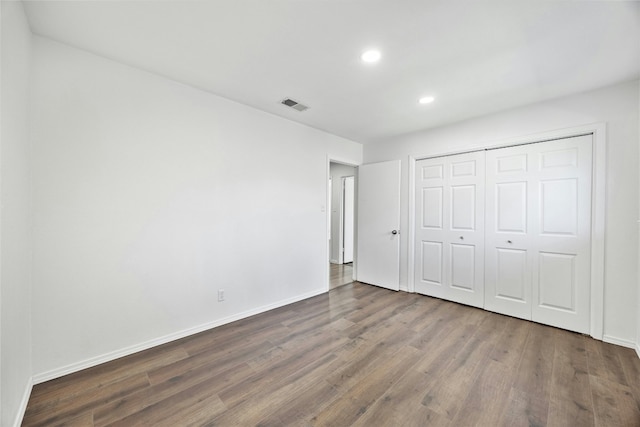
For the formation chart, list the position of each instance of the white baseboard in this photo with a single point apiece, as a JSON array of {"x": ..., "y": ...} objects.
[
  {"x": 23, "y": 403},
  {"x": 88, "y": 363},
  {"x": 619, "y": 341}
]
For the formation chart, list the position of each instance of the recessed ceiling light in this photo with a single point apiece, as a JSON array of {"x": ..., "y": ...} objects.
[
  {"x": 426, "y": 100},
  {"x": 371, "y": 56}
]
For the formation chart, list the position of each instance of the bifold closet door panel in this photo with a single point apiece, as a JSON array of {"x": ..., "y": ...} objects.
[
  {"x": 508, "y": 242},
  {"x": 449, "y": 252},
  {"x": 538, "y": 248},
  {"x": 562, "y": 264}
]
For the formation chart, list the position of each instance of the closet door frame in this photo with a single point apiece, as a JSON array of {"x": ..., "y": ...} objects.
[{"x": 598, "y": 206}]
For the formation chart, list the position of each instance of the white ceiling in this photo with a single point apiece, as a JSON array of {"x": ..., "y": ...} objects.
[{"x": 476, "y": 57}]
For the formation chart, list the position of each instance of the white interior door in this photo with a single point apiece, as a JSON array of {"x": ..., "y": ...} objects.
[
  {"x": 449, "y": 252},
  {"x": 538, "y": 243},
  {"x": 347, "y": 218},
  {"x": 378, "y": 259}
]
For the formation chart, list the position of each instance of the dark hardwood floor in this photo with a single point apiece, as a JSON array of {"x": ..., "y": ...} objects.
[{"x": 358, "y": 355}]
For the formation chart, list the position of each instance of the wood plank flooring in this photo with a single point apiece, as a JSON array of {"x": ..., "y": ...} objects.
[
  {"x": 340, "y": 274},
  {"x": 357, "y": 356}
]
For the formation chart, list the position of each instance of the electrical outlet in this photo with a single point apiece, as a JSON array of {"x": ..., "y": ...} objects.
[{"x": 220, "y": 295}]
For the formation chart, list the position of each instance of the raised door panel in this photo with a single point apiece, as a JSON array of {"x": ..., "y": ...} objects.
[
  {"x": 511, "y": 207},
  {"x": 431, "y": 204},
  {"x": 557, "y": 281},
  {"x": 435, "y": 171},
  {"x": 463, "y": 168},
  {"x": 508, "y": 284},
  {"x": 559, "y": 206},
  {"x": 559, "y": 158},
  {"x": 463, "y": 266},
  {"x": 463, "y": 207},
  {"x": 510, "y": 163},
  {"x": 511, "y": 274},
  {"x": 432, "y": 263}
]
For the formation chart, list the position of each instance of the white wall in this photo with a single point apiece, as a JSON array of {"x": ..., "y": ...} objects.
[
  {"x": 618, "y": 107},
  {"x": 149, "y": 196},
  {"x": 638, "y": 309},
  {"x": 338, "y": 171},
  {"x": 15, "y": 216}
]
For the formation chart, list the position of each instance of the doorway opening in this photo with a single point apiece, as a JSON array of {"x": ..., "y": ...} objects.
[{"x": 342, "y": 184}]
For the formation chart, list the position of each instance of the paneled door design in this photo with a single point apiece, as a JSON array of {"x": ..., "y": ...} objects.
[
  {"x": 538, "y": 247},
  {"x": 449, "y": 251}
]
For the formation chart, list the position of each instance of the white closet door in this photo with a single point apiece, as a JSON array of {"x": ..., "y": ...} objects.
[
  {"x": 538, "y": 212},
  {"x": 450, "y": 228}
]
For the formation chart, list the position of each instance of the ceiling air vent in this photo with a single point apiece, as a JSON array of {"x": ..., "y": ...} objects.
[{"x": 294, "y": 104}]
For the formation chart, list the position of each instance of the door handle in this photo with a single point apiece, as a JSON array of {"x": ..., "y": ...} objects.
[{"x": 394, "y": 232}]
